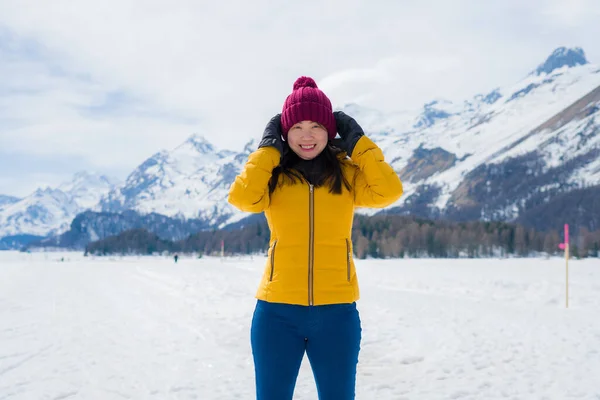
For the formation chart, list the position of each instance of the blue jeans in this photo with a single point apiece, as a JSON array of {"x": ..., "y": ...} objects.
[{"x": 329, "y": 334}]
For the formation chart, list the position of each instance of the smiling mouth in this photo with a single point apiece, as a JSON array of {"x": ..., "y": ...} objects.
[{"x": 307, "y": 147}]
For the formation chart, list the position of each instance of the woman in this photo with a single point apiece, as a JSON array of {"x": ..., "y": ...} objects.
[{"x": 308, "y": 184}]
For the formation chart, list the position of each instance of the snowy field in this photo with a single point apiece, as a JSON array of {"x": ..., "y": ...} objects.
[{"x": 146, "y": 328}]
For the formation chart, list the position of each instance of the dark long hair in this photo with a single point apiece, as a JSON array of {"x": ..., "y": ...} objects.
[{"x": 324, "y": 169}]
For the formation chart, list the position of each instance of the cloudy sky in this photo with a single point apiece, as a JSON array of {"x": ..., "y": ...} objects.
[{"x": 101, "y": 86}]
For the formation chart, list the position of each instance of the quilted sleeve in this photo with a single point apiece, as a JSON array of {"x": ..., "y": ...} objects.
[
  {"x": 376, "y": 184},
  {"x": 249, "y": 191}
]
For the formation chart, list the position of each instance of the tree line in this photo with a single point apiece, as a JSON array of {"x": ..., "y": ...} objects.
[{"x": 380, "y": 236}]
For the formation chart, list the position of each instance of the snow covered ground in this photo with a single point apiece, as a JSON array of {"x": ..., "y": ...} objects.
[{"x": 146, "y": 328}]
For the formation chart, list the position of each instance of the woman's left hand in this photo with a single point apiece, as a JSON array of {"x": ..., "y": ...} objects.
[{"x": 349, "y": 130}]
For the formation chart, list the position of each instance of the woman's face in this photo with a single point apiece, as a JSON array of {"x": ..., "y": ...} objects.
[{"x": 307, "y": 139}]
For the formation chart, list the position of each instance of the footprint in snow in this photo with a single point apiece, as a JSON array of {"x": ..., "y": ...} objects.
[{"x": 412, "y": 360}]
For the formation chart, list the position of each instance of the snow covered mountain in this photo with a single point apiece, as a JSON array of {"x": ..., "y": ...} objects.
[
  {"x": 502, "y": 155},
  {"x": 562, "y": 57},
  {"x": 7, "y": 200},
  {"x": 190, "y": 181},
  {"x": 90, "y": 226},
  {"x": 51, "y": 210},
  {"x": 498, "y": 155},
  {"x": 490, "y": 157}
]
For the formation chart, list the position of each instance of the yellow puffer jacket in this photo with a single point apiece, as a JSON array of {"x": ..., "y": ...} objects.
[{"x": 310, "y": 258}]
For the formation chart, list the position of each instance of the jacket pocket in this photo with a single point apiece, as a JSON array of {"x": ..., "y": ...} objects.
[
  {"x": 348, "y": 261},
  {"x": 272, "y": 260}
]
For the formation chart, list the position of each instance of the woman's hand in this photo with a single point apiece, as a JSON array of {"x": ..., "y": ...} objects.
[
  {"x": 349, "y": 131},
  {"x": 272, "y": 134}
]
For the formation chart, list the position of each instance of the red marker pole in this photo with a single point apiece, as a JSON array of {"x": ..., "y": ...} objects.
[{"x": 565, "y": 247}]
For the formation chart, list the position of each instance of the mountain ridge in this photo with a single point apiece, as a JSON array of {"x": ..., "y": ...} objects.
[{"x": 547, "y": 123}]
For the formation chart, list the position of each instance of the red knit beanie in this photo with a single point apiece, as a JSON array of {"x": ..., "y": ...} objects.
[{"x": 307, "y": 102}]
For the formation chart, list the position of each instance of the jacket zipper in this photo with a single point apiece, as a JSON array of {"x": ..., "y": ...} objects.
[
  {"x": 311, "y": 255},
  {"x": 272, "y": 260},
  {"x": 348, "y": 259}
]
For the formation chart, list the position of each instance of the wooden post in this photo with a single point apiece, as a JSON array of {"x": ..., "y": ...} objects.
[
  {"x": 565, "y": 247},
  {"x": 567, "y": 280}
]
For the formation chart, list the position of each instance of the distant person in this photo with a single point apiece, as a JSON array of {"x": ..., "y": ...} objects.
[
  {"x": 308, "y": 184},
  {"x": 176, "y": 257}
]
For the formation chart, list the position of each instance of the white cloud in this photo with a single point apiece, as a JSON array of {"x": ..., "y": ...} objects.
[
  {"x": 572, "y": 13},
  {"x": 115, "y": 81},
  {"x": 395, "y": 83}
]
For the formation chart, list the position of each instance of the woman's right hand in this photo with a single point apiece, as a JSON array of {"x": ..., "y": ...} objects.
[{"x": 272, "y": 134}]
